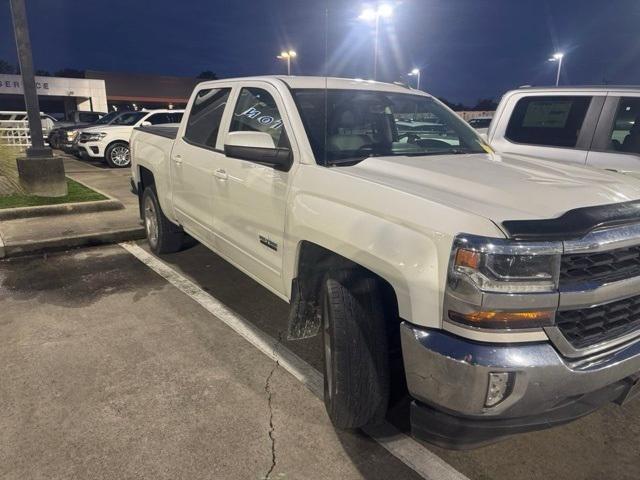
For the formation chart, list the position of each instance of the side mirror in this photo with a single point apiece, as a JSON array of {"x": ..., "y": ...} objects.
[
  {"x": 257, "y": 147},
  {"x": 146, "y": 123}
]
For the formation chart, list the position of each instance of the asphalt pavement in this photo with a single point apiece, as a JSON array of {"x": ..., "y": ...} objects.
[{"x": 110, "y": 371}]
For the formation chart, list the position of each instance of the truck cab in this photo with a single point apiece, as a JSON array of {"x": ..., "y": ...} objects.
[{"x": 592, "y": 126}]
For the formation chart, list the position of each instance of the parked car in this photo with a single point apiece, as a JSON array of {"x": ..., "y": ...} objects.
[
  {"x": 63, "y": 136},
  {"x": 12, "y": 124},
  {"x": 594, "y": 126},
  {"x": 481, "y": 124},
  {"x": 467, "y": 273},
  {"x": 111, "y": 141}
]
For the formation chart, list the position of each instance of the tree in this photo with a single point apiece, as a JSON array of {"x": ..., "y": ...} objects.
[
  {"x": 70, "y": 73},
  {"x": 6, "y": 67},
  {"x": 454, "y": 106},
  {"x": 486, "y": 104},
  {"x": 43, "y": 73},
  {"x": 208, "y": 75}
]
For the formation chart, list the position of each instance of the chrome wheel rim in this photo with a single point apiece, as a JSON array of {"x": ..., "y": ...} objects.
[
  {"x": 151, "y": 222},
  {"x": 328, "y": 360},
  {"x": 120, "y": 155}
]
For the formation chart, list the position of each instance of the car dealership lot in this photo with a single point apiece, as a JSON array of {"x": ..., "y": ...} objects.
[{"x": 109, "y": 371}]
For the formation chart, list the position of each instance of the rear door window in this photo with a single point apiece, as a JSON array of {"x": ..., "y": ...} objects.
[
  {"x": 205, "y": 116},
  {"x": 552, "y": 121}
]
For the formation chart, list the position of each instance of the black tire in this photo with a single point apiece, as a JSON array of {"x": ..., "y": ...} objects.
[
  {"x": 117, "y": 155},
  {"x": 356, "y": 365},
  {"x": 162, "y": 234}
]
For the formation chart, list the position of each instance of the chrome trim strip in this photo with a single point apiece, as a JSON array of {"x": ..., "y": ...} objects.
[
  {"x": 606, "y": 239},
  {"x": 606, "y": 293},
  {"x": 568, "y": 350}
]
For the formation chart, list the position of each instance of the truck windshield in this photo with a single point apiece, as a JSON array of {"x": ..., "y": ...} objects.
[{"x": 365, "y": 123}]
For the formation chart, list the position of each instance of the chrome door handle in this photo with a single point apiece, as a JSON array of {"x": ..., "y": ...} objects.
[
  {"x": 177, "y": 159},
  {"x": 221, "y": 174}
]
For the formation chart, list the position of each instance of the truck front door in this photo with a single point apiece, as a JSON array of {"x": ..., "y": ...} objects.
[{"x": 250, "y": 198}]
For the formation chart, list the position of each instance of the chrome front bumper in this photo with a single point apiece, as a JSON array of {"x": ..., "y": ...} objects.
[{"x": 451, "y": 374}]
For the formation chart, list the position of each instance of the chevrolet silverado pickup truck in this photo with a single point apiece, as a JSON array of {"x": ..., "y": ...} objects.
[{"x": 504, "y": 292}]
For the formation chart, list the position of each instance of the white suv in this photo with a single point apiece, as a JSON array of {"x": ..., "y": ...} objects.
[{"x": 111, "y": 142}]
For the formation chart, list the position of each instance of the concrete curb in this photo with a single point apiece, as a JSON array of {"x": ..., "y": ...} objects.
[
  {"x": 61, "y": 209},
  {"x": 64, "y": 243}
]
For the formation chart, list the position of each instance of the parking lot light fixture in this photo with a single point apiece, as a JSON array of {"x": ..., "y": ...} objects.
[
  {"x": 557, "y": 57},
  {"x": 383, "y": 10},
  {"x": 416, "y": 73},
  {"x": 287, "y": 55}
]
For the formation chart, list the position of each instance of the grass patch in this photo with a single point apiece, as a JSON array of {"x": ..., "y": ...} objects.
[
  {"x": 76, "y": 193},
  {"x": 8, "y": 167}
]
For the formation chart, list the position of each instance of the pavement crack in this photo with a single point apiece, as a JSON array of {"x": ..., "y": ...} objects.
[{"x": 272, "y": 428}]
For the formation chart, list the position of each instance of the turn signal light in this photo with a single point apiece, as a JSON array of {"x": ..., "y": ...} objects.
[{"x": 492, "y": 319}]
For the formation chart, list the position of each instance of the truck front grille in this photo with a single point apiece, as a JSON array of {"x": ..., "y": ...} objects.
[
  {"x": 601, "y": 267},
  {"x": 588, "y": 326}
]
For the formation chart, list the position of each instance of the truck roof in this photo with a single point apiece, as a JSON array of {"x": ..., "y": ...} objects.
[
  {"x": 328, "y": 82},
  {"x": 579, "y": 88}
]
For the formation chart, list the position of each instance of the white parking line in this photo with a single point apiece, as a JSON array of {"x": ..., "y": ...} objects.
[{"x": 406, "y": 449}]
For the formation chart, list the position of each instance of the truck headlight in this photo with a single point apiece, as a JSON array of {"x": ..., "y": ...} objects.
[
  {"x": 497, "y": 283},
  {"x": 94, "y": 137},
  {"x": 71, "y": 135}
]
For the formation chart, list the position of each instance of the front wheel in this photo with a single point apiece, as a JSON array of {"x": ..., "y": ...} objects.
[
  {"x": 117, "y": 155},
  {"x": 356, "y": 365},
  {"x": 163, "y": 236}
]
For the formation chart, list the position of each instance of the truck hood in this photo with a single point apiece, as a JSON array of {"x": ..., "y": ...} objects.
[{"x": 499, "y": 187}]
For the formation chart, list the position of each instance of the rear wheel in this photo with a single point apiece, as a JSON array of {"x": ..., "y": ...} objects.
[
  {"x": 117, "y": 155},
  {"x": 163, "y": 236},
  {"x": 356, "y": 365}
]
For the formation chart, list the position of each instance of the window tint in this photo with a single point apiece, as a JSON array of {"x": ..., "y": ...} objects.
[
  {"x": 625, "y": 133},
  {"x": 256, "y": 111},
  {"x": 87, "y": 117},
  {"x": 548, "y": 121},
  {"x": 205, "y": 117}
]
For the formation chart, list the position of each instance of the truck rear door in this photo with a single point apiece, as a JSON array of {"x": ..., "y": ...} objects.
[{"x": 194, "y": 159}]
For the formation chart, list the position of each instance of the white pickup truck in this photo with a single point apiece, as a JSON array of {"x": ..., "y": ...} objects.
[
  {"x": 593, "y": 126},
  {"x": 505, "y": 291}
]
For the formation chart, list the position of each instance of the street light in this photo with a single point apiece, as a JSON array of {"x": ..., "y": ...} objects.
[
  {"x": 287, "y": 56},
  {"x": 369, "y": 14},
  {"x": 557, "y": 57},
  {"x": 416, "y": 73}
]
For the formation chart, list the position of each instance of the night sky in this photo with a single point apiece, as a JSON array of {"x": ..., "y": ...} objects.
[{"x": 467, "y": 49}]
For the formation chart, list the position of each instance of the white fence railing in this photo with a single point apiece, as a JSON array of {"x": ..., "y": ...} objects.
[{"x": 15, "y": 133}]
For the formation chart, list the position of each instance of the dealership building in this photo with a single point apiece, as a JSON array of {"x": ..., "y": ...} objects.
[{"x": 99, "y": 91}]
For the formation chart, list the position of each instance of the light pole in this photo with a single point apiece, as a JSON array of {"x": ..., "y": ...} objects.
[
  {"x": 416, "y": 73},
  {"x": 287, "y": 56},
  {"x": 40, "y": 172},
  {"x": 557, "y": 57},
  {"x": 383, "y": 10}
]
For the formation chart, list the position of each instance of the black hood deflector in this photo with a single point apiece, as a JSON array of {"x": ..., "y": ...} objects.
[{"x": 574, "y": 223}]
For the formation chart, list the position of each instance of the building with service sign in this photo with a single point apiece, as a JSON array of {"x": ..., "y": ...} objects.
[
  {"x": 57, "y": 95},
  {"x": 99, "y": 92}
]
